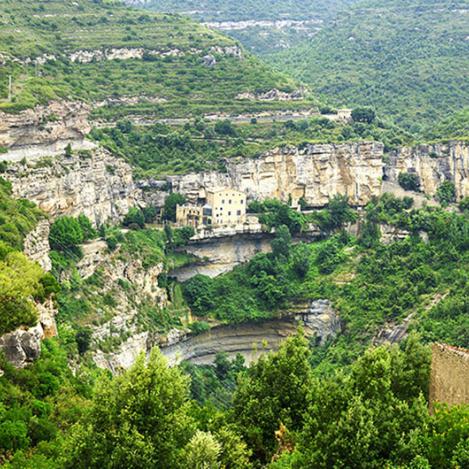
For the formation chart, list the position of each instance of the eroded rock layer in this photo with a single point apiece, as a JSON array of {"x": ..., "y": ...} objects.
[
  {"x": 313, "y": 172},
  {"x": 433, "y": 164},
  {"x": 93, "y": 183}
]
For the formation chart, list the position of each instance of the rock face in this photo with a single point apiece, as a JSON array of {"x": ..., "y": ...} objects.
[
  {"x": 23, "y": 346},
  {"x": 124, "y": 328},
  {"x": 45, "y": 125},
  {"x": 93, "y": 183},
  {"x": 433, "y": 164},
  {"x": 254, "y": 339},
  {"x": 36, "y": 245},
  {"x": 93, "y": 256},
  {"x": 315, "y": 172},
  {"x": 222, "y": 255}
]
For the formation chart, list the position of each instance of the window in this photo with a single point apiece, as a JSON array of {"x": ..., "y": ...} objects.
[
  {"x": 238, "y": 213},
  {"x": 242, "y": 201},
  {"x": 229, "y": 201},
  {"x": 229, "y": 213}
]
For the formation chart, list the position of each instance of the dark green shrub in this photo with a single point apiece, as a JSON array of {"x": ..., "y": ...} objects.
[{"x": 409, "y": 181}]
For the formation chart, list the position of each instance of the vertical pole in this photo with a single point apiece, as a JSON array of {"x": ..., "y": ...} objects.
[{"x": 10, "y": 83}]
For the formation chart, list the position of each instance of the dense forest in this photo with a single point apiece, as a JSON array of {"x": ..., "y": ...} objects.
[{"x": 406, "y": 59}]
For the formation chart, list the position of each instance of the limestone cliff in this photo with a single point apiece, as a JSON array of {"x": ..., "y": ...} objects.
[
  {"x": 433, "y": 164},
  {"x": 23, "y": 346},
  {"x": 44, "y": 128},
  {"x": 36, "y": 245},
  {"x": 315, "y": 172},
  {"x": 126, "y": 330},
  {"x": 94, "y": 183}
]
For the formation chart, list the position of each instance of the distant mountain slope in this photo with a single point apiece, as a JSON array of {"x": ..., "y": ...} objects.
[
  {"x": 264, "y": 25},
  {"x": 127, "y": 60},
  {"x": 407, "y": 58}
]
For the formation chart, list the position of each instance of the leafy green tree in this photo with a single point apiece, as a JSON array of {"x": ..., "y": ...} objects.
[
  {"x": 139, "y": 419},
  {"x": 19, "y": 283},
  {"x": 65, "y": 234},
  {"x": 170, "y": 204},
  {"x": 225, "y": 127},
  {"x": 409, "y": 181},
  {"x": 273, "y": 391},
  {"x": 371, "y": 417},
  {"x": 87, "y": 228},
  {"x": 198, "y": 292},
  {"x": 464, "y": 204},
  {"x": 281, "y": 243},
  {"x": 134, "y": 218},
  {"x": 446, "y": 193},
  {"x": 364, "y": 114},
  {"x": 202, "y": 451}
]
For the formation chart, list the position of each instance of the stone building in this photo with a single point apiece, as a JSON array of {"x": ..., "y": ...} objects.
[
  {"x": 449, "y": 380},
  {"x": 222, "y": 207}
]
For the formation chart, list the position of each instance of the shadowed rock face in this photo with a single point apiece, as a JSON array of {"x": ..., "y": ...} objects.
[
  {"x": 433, "y": 164},
  {"x": 252, "y": 340}
]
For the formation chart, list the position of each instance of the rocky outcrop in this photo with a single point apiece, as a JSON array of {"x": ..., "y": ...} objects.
[
  {"x": 63, "y": 121},
  {"x": 254, "y": 339},
  {"x": 218, "y": 256},
  {"x": 94, "y": 183},
  {"x": 23, "y": 346},
  {"x": 94, "y": 254},
  {"x": 272, "y": 95},
  {"x": 124, "y": 328},
  {"x": 433, "y": 164},
  {"x": 36, "y": 245},
  {"x": 315, "y": 172},
  {"x": 449, "y": 377}
]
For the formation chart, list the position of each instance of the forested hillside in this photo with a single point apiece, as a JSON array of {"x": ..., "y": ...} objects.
[
  {"x": 408, "y": 59},
  {"x": 264, "y": 26},
  {"x": 140, "y": 62}
]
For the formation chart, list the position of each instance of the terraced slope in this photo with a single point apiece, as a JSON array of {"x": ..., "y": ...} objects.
[
  {"x": 126, "y": 60},
  {"x": 407, "y": 58},
  {"x": 263, "y": 26}
]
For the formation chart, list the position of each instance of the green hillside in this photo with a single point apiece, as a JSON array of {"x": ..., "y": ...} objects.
[
  {"x": 158, "y": 64},
  {"x": 225, "y": 10},
  {"x": 262, "y": 26},
  {"x": 408, "y": 59}
]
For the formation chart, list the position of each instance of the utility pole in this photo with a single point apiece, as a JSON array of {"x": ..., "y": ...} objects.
[{"x": 10, "y": 85}]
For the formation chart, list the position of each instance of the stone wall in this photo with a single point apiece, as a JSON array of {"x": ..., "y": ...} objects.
[
  {"x": 94, "y": 183},
  {"x": 449, "y": 382},
  {"x": 433, "y": 164}
]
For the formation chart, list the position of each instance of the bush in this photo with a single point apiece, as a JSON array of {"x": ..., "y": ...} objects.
[
  {"x": 170, "y": 204},
  {"x": 199, "y": 327},
  {"x": 134, "y": 219},
  {"x": 364, "y": 114},
  {"x": 66, "y": 234},
  {"x": 198, "y": 292},
  {"x": 409, "y": 181},
  {"x": 464, "y": 204},
  {"x": 446, "y": 193}
]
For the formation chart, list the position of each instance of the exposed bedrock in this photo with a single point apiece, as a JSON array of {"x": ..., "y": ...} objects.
[
  {"x": 94, "y": 183},
  {"x": 251, "y": 340},
  {"x": 315, "y": 172},
  {"x": 219, "y": 256},
  {"x": 22, "y": 346},
  {"x": 62, "y": 121},
  {"x": 434, "y": 164}
]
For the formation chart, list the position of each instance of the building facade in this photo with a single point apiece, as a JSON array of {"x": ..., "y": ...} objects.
[{"x": 223, "y": 207}]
